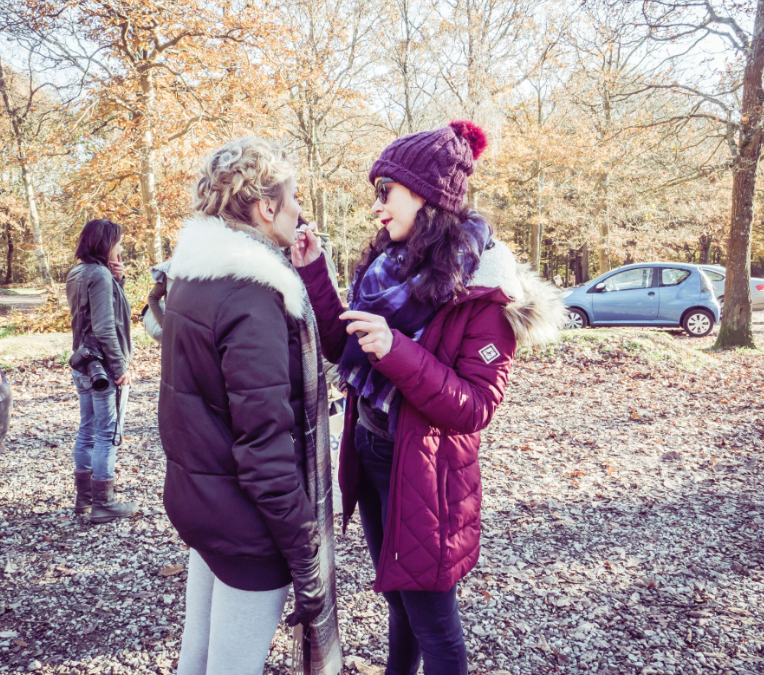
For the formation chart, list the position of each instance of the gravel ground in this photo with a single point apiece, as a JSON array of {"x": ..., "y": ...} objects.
[{"x": 623, "y": 527}]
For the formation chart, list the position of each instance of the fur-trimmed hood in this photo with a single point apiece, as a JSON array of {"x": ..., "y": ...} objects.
[
  {"x": 209, "y": 249},
  {"x": 537, "y": 314}
]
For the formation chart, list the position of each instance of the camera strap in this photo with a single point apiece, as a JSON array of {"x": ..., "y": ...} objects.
[{"x": 116, "y": 438}]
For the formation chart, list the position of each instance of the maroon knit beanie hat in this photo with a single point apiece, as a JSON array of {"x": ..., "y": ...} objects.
[{"x": 434, "y": 164}]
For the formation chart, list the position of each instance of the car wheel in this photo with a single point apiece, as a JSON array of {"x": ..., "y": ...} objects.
[
  {"x": 698, "y": 322},
  {"x": 576, "y": 319}
]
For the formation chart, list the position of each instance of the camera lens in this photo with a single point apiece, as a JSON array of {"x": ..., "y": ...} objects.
[{"x": 97, "y": 373}]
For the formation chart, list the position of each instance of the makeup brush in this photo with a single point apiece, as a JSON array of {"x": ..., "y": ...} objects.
[{"x": 301, "y": 222}]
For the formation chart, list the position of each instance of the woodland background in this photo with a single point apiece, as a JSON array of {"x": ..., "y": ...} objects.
[{"x": 611, "y": 124}]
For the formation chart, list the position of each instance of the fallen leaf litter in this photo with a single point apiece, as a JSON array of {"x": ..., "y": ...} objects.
[{"x": 623, "y": 528}]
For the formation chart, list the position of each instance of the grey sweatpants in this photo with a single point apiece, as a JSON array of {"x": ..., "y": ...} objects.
[{"x": 227, "y": 631}]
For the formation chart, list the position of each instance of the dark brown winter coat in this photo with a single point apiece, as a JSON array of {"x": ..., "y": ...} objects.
[{"x": 230, "y": 407}]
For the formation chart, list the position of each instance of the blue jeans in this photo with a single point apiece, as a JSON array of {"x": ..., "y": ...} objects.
[
  {"x": 93, "y": 448},
  {"x": 422, "y": 624}
]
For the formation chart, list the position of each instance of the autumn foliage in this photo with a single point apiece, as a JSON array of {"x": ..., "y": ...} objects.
[{"x": 597, "y": 151}]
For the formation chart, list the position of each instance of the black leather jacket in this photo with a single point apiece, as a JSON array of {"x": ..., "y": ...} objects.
[{"x": 99, "y": 307}]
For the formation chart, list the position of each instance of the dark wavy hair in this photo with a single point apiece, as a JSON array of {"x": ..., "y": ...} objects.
[
  {"x": 438, "y": 247},
  {"x": 97, "y": 239}
]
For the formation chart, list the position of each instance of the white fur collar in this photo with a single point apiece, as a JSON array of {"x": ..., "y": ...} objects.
[
  {"x": 498, "y": 268},
  {"x": 208, "y": 249},
  {"x": 537, "y": 314}
]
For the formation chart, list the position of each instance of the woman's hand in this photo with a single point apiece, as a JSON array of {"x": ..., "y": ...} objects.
[
  {"x": 116, "y": 268},
  {"x": 376, "y": 337},
  {"x": 124, "y": 380},
  {"x": 307, "y": 248}
]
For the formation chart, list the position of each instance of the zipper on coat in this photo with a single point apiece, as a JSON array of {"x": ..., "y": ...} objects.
[
  {"x": 398, "y": 483},
  {"x": 397, "y": 471},
  {"x": 390, "y": 520}
]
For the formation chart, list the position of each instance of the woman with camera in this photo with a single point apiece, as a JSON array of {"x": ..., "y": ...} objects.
[{"x": 100, "y": 361}]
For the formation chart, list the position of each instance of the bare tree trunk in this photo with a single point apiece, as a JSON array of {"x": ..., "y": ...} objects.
[
  {"x": 317, "y": 191},
  {"x": 321, "y": 209},
  {"x": 405, "y": 69},
  {"x": 148, "y": 173},
  {"x": 603, "y": 246},
  {"x": 26, "y": 177},
  {"x": 584, "y": 263},
  {"x": 473, "y": 196},
  {"x": 9, "y": 256},
  {"x": 706, "y": 241},
  {"x": 346, "y": 247},
  {"x": 471, "y": 76},
  {"x": 537, "y": 226},
  {"x": 535, "y": 257},
  {"x": 34, "y": 220},
  {"x": 318, "y": 204},
  {"x": 603, "y": 184},
  {"x": 736, "y": 330}
]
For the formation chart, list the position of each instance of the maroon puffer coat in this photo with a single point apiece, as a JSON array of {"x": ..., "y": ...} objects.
[{"x": 452, "y": 381}]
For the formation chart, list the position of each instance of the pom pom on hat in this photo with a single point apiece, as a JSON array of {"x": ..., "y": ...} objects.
[{"x": 471, "y": 133}]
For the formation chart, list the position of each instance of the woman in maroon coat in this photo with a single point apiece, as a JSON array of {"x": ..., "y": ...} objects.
[{"x": 437, "y": 308}]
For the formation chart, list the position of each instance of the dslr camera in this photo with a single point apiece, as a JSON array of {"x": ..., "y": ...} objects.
[{"x": 89, "y": 359}]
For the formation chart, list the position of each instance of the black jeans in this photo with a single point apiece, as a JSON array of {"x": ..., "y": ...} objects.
[{"x": 423, "y": 624}]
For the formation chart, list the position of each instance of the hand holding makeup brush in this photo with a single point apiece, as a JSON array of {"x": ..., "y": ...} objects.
[{"x": 307, "y": 248}]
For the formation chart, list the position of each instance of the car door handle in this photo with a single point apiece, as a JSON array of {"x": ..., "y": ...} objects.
[{"x": 651, "y": 293}]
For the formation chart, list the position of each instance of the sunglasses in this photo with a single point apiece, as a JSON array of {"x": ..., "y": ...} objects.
[{"x": 381, "y": 190}]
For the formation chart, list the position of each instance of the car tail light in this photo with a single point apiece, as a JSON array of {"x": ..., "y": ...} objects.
[{"x": 760, "y": 288}]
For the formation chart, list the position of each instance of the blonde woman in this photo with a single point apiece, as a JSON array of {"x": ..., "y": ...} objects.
[{"x": 244, "y": 422}]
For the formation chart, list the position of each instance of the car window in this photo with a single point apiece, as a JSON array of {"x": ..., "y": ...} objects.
[
  {"x": 671, "y": 276},
  {"x": 714, "y": 276},
  {"x": 640, "y": 277}
]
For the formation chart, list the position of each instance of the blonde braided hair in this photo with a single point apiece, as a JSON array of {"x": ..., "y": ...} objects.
[{"x": 240, "y": 173}]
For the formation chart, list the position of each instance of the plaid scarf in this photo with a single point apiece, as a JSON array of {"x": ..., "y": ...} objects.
[
  {"x": 380, "y": 291},
  {"x": 324, "y": 634},
  {"x": 320, "y": 647}
]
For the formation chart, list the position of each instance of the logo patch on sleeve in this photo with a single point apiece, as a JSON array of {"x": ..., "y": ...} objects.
[{"x": 489, "y": 353}]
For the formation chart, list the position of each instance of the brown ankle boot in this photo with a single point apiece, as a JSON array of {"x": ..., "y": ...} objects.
[
  {"x": 84, "y": 493},
  {"x": 105, "y": 507}
]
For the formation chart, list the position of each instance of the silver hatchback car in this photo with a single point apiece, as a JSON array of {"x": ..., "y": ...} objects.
[{"x": 717, "y": 275}]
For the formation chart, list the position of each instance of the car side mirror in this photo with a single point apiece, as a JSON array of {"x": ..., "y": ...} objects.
[{"x": 600, "y": 286}]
